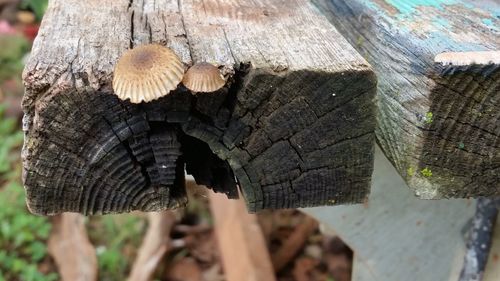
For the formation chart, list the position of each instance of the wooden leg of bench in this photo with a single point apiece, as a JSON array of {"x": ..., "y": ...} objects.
[
  {"x": 243, "y": 248},
  {"x": 424, "y": 238}
]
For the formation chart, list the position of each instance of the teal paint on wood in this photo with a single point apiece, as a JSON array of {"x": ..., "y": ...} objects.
[
  {"x": 439, "y": 24},
  {"x": 407, "y": 8},
  {"x": 455, "y": 155},
  {"x": 489, "y": 23}
]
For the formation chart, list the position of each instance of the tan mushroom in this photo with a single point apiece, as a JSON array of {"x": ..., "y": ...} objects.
[
  {"x": 203, "y": 78},
  {"x": 146, "y": 73}
]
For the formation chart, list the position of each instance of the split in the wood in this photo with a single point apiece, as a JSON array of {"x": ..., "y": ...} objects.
[
  {"x": 132, "y": 156},
  {"x": 140, "y": 143}
]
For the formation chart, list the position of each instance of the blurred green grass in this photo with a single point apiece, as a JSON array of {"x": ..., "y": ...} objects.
[
  {"x": 37, "y": 6},
  {"x": 116, "y": 238},
  {"x": 23, "y": 236}
]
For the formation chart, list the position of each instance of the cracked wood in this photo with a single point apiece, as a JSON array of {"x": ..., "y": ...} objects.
[
  {"x": 294, "y": 124},
  {"x": 439, "y": 112}
]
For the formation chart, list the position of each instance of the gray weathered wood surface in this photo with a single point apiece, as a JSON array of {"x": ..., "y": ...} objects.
[
  {"x": 396, "y": 236},
  {"x": 295, "y": 123},
  {"x": 439, "y": 114}
]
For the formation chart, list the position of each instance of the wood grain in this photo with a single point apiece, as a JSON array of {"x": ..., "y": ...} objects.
[
  {"x": 439, "y": 116},
  {"x": 294, "y": 124}
]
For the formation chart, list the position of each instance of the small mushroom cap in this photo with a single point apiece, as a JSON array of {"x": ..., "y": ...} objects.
[
  {"x": 203, "y": 77},
  {"x": 146, "y": 73}
]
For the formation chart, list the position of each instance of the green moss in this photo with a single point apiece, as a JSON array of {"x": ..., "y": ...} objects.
[
  {"x": 461, "y": 145},
  {"x": 410, "y": 171},
  {"x": 360, "y": 41},
  {"x": 426, "y": 172},
  {"x": 429, "y": 117}
]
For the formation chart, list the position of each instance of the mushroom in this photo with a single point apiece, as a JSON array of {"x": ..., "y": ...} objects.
[
  {"x": 146, "y": 73},
  {"x": 203, "y": 78}
]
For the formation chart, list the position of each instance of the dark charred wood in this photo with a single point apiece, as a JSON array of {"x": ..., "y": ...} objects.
[{"x": 294, "y": 126}]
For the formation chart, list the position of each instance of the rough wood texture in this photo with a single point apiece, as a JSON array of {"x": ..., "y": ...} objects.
[
  {"x": 396, "y": 236},
  {"x": 439, "y": 114},
  {"x": 295, "y": 123},
  {"x": 242, "y": 246}
]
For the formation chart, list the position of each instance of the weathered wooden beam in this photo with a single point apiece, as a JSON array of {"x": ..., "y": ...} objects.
[
  {"x": 295, "y": 122},
  {"x": 424, "y": 238},
  {"x": 439, "y": 112}
]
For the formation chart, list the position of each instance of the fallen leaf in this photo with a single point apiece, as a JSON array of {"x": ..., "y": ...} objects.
[
  {"x": 214, "y": 273},
  {"x": 185, "y": 269},
  {"x": 303, "y": 267},
  {"x": 294, "y": 243},
  {"x": 339, "y": 266}
]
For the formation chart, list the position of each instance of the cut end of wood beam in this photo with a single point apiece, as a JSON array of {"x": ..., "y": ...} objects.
[
  {"x": 468, "y": 58},
  {"x": 293, "y": 126},
  {"x": 437, "y": 110}
]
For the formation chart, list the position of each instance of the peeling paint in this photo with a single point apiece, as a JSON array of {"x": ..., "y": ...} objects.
[
  {"x": 407, "y": 8},
  {"x": 439, "y": 22}
]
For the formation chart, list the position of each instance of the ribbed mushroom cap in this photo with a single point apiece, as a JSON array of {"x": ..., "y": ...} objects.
[
  {"x": 203, "y": 77},
  {"x": 146, "y": 73}
]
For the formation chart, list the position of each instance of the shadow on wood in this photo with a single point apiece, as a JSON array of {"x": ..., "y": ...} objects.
[{"x": 424, "y": 238}]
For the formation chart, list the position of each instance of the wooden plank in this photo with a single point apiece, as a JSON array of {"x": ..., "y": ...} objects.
[
  {"x": 396, "y": 235},
  {"x": 439, "y": 88},
  {"x": 479, "y": 239},
  {"x": 492, "y": 271},
  {"x": 242, "y": 246},
  {"x": 295, "y": 122},
  {"x": 69, "y": 246},
  {"x": 154, "y": 247}
]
